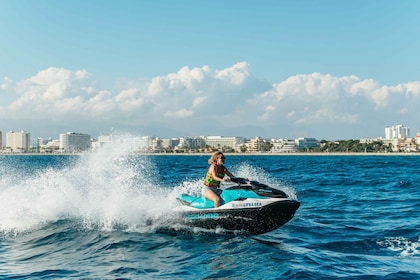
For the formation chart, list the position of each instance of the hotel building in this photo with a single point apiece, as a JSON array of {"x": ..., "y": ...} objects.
[
  {"x": 397, "y": 132},
  {"x": 74, "y": 142},
  {"x": 18, "y": 142}
]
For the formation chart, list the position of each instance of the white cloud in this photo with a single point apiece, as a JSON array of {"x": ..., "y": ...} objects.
[
  {"x": 325, "y": 115},
  {"x": 89, "y": 89},
  {"x": 6, "y": 84},
  {"x": 198, "y": 101},
  {"x": 235, "y": 75},
  {"x": 100, "y": 105},
  {"x": 182, "y": 113},
  {"x": 51, "y": 76},
  {"x": 205, "y": 101},
  {"x": 315, "y": 101},
  {"x": 266, "y": 113},
  {"x": 185, "y": 79}
]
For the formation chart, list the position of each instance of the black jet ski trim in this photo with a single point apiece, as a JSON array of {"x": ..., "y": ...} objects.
[{"x": 247, "y": 207}]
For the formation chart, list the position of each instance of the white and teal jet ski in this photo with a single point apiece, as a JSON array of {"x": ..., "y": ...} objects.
[{"x": 247, "y": 207}]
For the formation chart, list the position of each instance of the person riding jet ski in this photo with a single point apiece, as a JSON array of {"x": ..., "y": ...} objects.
[{"x": 215, "y": 175}]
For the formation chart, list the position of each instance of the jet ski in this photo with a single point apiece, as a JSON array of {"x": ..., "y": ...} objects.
[{"x": 247, "y": 207}]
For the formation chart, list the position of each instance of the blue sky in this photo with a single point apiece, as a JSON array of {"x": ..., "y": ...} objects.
[{"x": 324, "y": 69}]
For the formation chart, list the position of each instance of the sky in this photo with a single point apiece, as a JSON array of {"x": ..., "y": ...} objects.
[{"x": 276, "y": 69}]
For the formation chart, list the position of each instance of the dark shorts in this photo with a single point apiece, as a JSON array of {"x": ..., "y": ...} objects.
[{"x": 215, "y": 190}]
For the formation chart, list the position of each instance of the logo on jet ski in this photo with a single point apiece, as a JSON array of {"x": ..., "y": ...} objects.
[
  {"x": 202, "y": 216},
  {"x": 246, "y": 204}
]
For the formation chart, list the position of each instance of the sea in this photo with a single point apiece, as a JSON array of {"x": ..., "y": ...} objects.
[{"x": 88, "y": 216}]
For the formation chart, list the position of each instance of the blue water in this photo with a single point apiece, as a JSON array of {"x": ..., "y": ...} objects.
[{"x": 86, "y": 217}]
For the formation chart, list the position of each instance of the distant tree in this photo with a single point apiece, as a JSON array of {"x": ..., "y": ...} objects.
[
  {"x": 266, "y": 146},
  {"x": 227, "y": 149}
]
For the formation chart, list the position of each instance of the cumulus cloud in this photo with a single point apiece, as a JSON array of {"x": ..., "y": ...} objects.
[
  {"x": 202, "y": 100},
  {"x": 315, "y": 99},
  {"x": 182, "y": 113},
  {"x": 6, "y": 83}
]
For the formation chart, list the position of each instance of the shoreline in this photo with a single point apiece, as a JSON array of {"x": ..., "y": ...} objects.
[
  {"x": 288, "y": 154},
  {"x": 229, "y": 154}
]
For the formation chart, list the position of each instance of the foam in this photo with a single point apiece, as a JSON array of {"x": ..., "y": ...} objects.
[
  {"x": 403, "y": 245},
  {"x": 105, "y": 187},
  {"x": 109, "y": 187}
]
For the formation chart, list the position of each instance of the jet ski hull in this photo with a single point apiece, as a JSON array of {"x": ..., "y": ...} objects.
[
  {"x": 248, "y": 207},
  {"x": 247, "y": 221}
]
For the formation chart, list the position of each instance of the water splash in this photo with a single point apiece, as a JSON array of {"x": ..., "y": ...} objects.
[
  {"x": 403, "y": 245},
  {"x": 112, "y": 187},
  {"x": 257, "y": 174},
  {"x": 103, "y": 188}
]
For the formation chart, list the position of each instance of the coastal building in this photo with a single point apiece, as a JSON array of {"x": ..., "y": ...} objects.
[
  {"x": 50, "y": 146},
  {"x": 72, "y": 142},
  {"x": 201, "y": 142},
  {"x": 101, "y": 141},
  {"x": 396, "y": 139},
  {"x": 393, "y": 143},
  {"x": 306, "y": 143},
  {"x": 284, "y": 146},
  {"x": 35, "y": 145},
  {"x": 370, "y": 140},
  {"x": 104, "y": 139},
  {"x": 170, "y": 143},
  {"x": 157, "y": 145},
  {"x": 219, "y": 142},
  {"x": 141, "y": 143},
  {"x": 191, "y": 142},
  {"x": 397, "y": 132},
  {"x": 18, "y": 142},
  {"x": 254, "y": 145},
  {"x": 38, "y": 142}
]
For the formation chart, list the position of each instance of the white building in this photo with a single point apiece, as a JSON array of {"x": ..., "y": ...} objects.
[
  {"x": 143, "y": 143},
  {"x": 397, "y": 132},
  {"x": 18, "y": 142},
  {"x": 254, "y": 145},
  {"x": 51, "y": 146},
  {"x": 157, "y": 146},
  {"x": 170, "y": 143},
  {"x": 284, "y": 146},
  {"x": 219, "y": 142},
  {"x": 104, "y": 139},
  {"x": 370, "y": 140},
  {"x": 192, "y": 142},
  {"x": 38, "y": 142},
  {"x": 74, "y": 142},
  {"x": 305, "y": 143}
]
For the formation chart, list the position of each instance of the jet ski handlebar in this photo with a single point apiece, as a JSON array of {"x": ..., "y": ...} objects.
[
  {"x": 239, "y": 180},
  {"x": 257, "y": 187}
]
